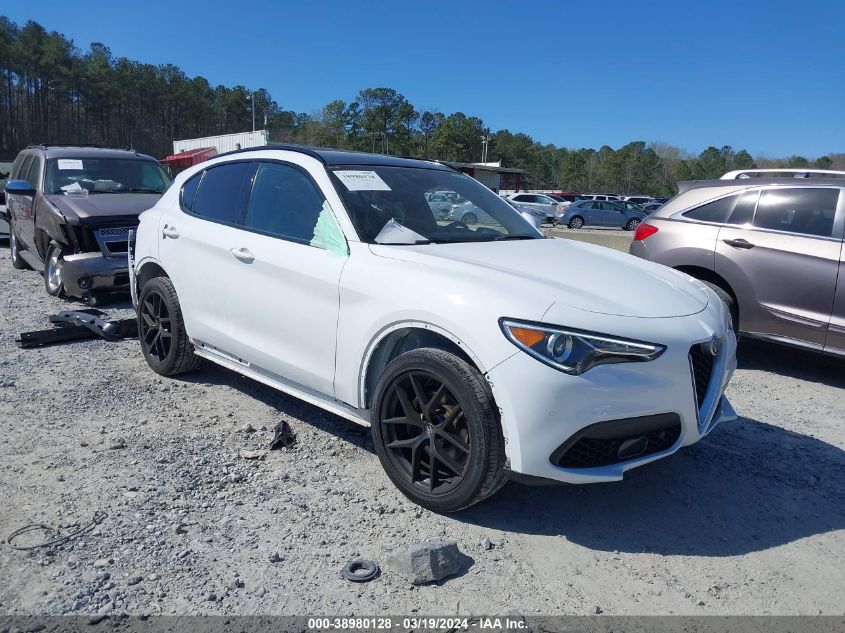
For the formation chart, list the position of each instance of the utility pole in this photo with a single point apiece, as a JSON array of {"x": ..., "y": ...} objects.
[
  {"x": 252, "y": 107},
  {"x": 485, "y": 140}
]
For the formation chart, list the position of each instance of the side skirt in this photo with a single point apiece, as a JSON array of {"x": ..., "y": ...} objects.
[
  {"x": 275, "y": 381},
  {"x": 34, "y": 262}
]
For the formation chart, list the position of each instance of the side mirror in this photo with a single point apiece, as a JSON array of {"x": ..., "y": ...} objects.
[{"x": 19, "y": 188}]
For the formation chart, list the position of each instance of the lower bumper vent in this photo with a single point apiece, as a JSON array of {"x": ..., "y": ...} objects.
[{"x": 617, "y": 441}]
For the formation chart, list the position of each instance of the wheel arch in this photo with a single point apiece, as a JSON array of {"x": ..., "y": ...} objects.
[
  {"x": 399, "y": 338},
  {"x": 705, "y": 274},
  {"x": 146, "y": 270}
]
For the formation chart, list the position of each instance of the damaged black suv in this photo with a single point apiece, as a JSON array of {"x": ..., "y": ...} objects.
[{"x": 70, "y": 211}]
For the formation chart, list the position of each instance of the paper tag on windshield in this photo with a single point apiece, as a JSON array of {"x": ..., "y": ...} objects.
[
  {"x": 361, "y": 180},
  {"x": 70, "y": 163}
]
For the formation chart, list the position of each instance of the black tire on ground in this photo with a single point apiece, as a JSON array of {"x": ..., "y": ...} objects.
[
  {"x": 469, "y": 219},
  {"x": 430, "y": 398},
  {"x": 726, "y": 297},
  {"x": 53, "y": 282},
  {"x": 576, "y": 223},
  {"x": 632, "y": 224},
  {"x": 161, "y": 330},
  {"x": 14, "y": 249}
]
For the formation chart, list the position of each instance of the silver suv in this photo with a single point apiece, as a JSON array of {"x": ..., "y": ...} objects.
[
  {"x": 769, "y": 242},
  {"x": 538, "y": 202}
]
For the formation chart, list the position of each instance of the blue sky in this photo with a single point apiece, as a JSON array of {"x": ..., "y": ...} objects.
[{"x": 765, "y": 76}]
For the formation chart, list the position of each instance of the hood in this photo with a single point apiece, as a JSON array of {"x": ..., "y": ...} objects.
[
  {"x": 576, "y": 274},
  {"x": 85, "y": 209}
]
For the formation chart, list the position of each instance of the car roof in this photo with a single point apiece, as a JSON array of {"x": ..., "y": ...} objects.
[
  {"x": 85, "y": 151},
  {"x": 339, "y": 157},
  {"x": 747, "y": 183}
]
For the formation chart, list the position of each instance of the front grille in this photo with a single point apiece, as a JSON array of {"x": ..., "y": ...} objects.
[
  {"x": 119, "y": 231},
  {"x": 701, "y": 362},
  {"x": 600, "y": 444},
  {"x": 114, "y": 240}
]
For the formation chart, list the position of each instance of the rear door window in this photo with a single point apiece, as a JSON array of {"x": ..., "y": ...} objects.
[
  {"x": 189, "y": 192},
  {"x": 34, "y": 175},
  {"x": 743, "y": 211},
  {"x": 222, "y": 192},
  {"x": 805, "y": 211},
  {"x": 23, "y": 168}
]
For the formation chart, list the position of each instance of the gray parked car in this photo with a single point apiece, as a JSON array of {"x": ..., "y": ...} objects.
[
  {"x": 70, "y": 211},
  {"x": 770, "y": 246},
  {"x": 601, "y": 213}
]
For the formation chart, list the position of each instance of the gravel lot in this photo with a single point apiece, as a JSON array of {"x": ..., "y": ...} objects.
[{"x": 748, "y": 521}]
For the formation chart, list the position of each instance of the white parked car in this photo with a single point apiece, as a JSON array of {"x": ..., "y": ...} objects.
[
  {"x": 539, "y": 202},
  {"x": 326, "y": 275}
]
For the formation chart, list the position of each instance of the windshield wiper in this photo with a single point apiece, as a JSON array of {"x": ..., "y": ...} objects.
[
  {"x": 516, "y": 237},
  {"x": 414, "y": 243},
  {"x": 136, "y": 190}
]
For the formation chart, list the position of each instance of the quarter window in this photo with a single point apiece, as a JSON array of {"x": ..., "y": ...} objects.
[
  {"x": 805, "y": 211},
  {"x": 716, "y": 211},
  {"x": 221, "y": 195},
  {"x": 286, "y": 203}
]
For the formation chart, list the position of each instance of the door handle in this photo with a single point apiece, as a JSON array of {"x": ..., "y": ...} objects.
[
  {"x": 170, "y": 231},
  {"x": 242, "y": 254},
  {"x": 740, "y": 243}
]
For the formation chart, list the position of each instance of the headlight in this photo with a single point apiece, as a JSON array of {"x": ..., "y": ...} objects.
[{"x": 575, "y": 351}]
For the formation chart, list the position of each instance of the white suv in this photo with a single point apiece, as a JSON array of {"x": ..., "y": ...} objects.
[{"x": 327, "y": 275}]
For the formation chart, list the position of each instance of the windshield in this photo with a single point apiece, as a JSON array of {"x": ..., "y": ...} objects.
[
  {"x": 105, "y": 175},
  {"x": 428, "y": 205}
]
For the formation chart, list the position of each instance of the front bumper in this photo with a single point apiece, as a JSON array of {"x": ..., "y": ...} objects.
[
  {"x": 87, "y": 273},
  {"x": 542, "y": 408}
]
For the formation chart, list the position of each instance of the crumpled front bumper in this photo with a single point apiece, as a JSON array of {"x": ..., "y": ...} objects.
[{"x": 85, "y": 273}]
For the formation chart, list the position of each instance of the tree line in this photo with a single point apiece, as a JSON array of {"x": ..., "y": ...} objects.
[{"x": 53, "y": 92}]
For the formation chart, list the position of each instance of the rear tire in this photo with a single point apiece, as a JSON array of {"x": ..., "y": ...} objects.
[
  {"x": 161, "y": 330},
  {"x": 436, "y": 431},
  {"x": 14, "y": 250},
  {"x": 728, "y": 300},
  {"x": 576, "y": 223},
  {"x": 632, "y": 224},
  {"x": 469, "y": 219}
]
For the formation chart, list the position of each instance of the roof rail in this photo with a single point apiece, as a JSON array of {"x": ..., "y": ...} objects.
[
  {"x": 49, "y": 145},
  {"x": 797, "y": 173},
  {"x": 291, "y": 147}
]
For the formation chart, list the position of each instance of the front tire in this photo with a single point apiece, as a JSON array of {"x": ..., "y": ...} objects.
[
  {"x": 576, "y": 223},
  {"x": 632, "y": 224},
  {"x": 469, "y": 219},
  {"x": 436, "y": 431},
  {"x": 161, "y": 330},
  {"x": 728, "y": 300},
  {"x": 53, "y": 280}
]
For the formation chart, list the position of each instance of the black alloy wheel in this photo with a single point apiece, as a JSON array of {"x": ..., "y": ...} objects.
[
  {"x": 155, "y": 327},
  {"x": 161, "y": 329},
  {"x": 436, "y": 430},
  {"x": 425, "y": 431}
]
